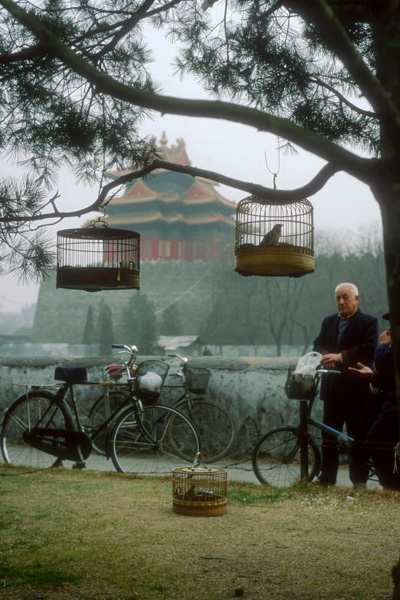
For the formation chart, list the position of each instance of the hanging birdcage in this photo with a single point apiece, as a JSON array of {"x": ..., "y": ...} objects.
[
  {"x": 274, "y": 239},
  {"x": 98, "y": 258}
]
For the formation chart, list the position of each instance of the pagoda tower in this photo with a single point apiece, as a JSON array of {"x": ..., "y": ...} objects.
[{"x": 179, "y": 217}]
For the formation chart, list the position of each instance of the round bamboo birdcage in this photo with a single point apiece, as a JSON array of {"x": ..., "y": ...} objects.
[
  {"x": 98, "y": 258},
  {"x": 274, "y": 240},
  {"x": 199, "y": 491}
]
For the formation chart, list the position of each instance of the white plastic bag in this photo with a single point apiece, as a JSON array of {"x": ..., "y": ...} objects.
[
  {"x": 307, "y": 364},
  {"x": 301, "y": 383},
  {"x": 150, "y": 381}
]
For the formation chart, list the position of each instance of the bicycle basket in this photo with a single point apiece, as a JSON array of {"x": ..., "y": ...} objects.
[
  {"x": 197, "y": 380},
  {"x": 150, "y": 377},
  {"x": 300, "y": 386}
]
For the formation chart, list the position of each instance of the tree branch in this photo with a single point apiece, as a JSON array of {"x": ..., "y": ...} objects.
[
  {"x": 262, "y": 193},
  {"x": 343, "y": 99},
  {"x": 133, "y": 20},
  {"x": 321, "y": 15},
  {"x": 126, "y": 27},
  {"x": 24, "y": 54},
  {"x": 306, "y": 139},
  {"x": 267, "y": 194}
]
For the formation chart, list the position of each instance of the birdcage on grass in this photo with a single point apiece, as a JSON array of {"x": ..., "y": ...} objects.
[
  {"x": 199, "y": 491},
  {"x": 98, "y": 258},
  {"x": 274, "y": 239}
]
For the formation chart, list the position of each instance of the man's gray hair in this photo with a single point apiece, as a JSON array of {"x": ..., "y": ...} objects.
[{"x": 353, "y": 288}]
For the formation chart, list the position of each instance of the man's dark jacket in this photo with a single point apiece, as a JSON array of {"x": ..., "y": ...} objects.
[
  {"x": 357, "y": 344},
  {"x": 385, "y": 427}
]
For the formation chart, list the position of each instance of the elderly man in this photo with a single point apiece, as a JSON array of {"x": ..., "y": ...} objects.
[{"x": 345, "y": 339}]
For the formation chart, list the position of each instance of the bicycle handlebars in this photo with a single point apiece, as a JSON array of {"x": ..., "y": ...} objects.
[
  {"x": 183, "y": 359},
  {"x": 329, "y": 371},
  {"x": 130, "y": 349}
]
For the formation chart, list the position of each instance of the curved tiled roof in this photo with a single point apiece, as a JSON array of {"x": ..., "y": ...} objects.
[{"x": 172, "y": 196}]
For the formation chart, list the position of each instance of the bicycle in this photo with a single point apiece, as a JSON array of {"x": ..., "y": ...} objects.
[
  {"x": 41, "y": 430},
  {"x": 287, "y": 454},
  {"x": 213, "y": 421}
]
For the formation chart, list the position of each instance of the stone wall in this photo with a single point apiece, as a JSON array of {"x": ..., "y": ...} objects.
[{"x": 252, "y": 388}]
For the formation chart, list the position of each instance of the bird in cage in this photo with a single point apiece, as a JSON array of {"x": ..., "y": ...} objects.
[{"x": 272, "y": 237}]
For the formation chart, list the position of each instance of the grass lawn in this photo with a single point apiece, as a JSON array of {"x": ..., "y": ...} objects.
[{"x": 105, "y": 536}]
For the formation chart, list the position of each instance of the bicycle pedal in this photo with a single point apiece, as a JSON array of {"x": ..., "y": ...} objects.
[{"x": 79, "y": 465}]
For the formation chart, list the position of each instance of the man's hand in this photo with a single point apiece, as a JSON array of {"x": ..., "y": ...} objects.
[
  {"x": 330, "y": 360},
  {"x": 362, "y": 371},
  {"x": 385, "y": 338}
]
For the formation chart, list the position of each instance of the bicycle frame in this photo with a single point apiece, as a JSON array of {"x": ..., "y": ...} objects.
[
  {"x": 184, "y": 398},
  {"x": 330, "y": 430},
  {"x": 321, "y": 426},
  {"x": 94, "y": 431},
  {"x": 73, "y": 444}
]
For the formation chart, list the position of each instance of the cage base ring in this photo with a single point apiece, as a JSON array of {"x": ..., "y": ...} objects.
[{"x": 275, "y": 263}]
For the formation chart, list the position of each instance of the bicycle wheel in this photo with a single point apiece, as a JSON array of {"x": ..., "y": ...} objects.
[
  {"x": 276, "y": 457},
  {"x": 100, "y": 411},
  {"x": 157, "y": 445},
  {"x": 214, "y": 425},
  {"x": 34, "y": 409}
]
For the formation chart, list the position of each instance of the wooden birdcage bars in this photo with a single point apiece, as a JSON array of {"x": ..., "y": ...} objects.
[
  {"x": 290, "y": 252},
  {"x": 98, "y": 258}
]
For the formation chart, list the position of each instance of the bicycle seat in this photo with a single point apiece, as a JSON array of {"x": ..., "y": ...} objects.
[{"x": 71, "y": 374}]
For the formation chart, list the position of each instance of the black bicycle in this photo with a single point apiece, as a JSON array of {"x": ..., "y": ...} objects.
[{"x": 40, "y": 429}]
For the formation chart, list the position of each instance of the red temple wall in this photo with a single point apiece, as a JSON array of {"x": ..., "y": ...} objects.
[{"x": 154, "y": 248}]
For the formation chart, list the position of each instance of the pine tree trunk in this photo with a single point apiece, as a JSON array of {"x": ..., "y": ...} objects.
[
  {"x": 389, "y": 201},
  {"x": 387, "y": 187}
]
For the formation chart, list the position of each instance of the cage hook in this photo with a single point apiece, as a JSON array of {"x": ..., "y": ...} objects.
[
  {"x": 274, "y": 174},
  {"x": 197, "y": 464},
  {"x": 100, "y": 220}
]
